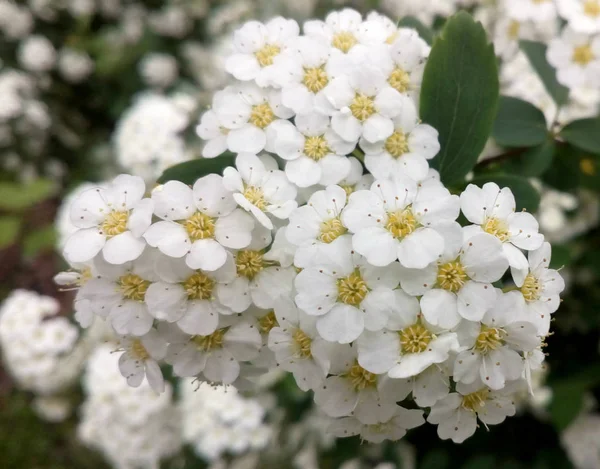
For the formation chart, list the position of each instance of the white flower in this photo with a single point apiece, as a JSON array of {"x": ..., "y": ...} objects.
[
  {"x": 218, "y": 355},
  {"x": 140, "y": 359},
  {"x": 494, "y": 344},
  {"x": 576, "y": 56},
  {"x": 257, "y": 45},
  {"x": 398, "y": 219},
  {"x": 493, "y": 210},
  {"x": 362, "y": 103},
  {"x": 37, "y": 54},
  {"x": 458, "y": 284},
  {"x": 408, "y": 345},
  {"x": 248, "y": 112},
  {"x": 187, "y": 296},
  {"x": 298, "y": 347},
  {"x": 347, "y": 294},
  {"x": 406, "y": 151},
  {"x": 356, "y": 180},
  {"x": 198, "y": 223},
  {"x": 393, "y": 427},
  {"x": 352, "y": 390},
  {"x": 431, "y": 385},
  {"x": 111, "y": 219},
  {"x": 314, "y": 226},
  {"x": 259, "y": 189},
  {"x": 540, "y": 288},
  {"x": 158, "y": 69},
  {"x": 456, "y": 415},
  {"x": 74, "y": 65},
  {"x": 582, "y": 15},
  {"x": 531, "y": 10},
  {"x": 77, "y": 279},
  {"x": 212, "y": 131},
  {"x": 315, "y": 154}
]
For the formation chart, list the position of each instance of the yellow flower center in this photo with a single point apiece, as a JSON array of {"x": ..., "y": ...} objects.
[
  {"x": 133, "y": 287},
  {"x": 199, "y": 287},
  {"x": 476, "y": 400},
  {"x": 344, "y": 41},
  {"x": 399, "y": 80},
  {"x": 362, "y": 107},
  {"x": 348, "y": 189},
  {"x": 401, "y": 223},
  {"x": 138, "y": 350},
  {"x": 592, "y": 8},
  {"x": 315, "y": 79},
  {"x": 255, "y": 196},
  {"x": 415, "y": 338},
  {"x": 451, "y": 276},
  {"x": 115, "y": 223},
  {"x": 531, "y": 289},
  {"x": 84, "y": 276},
  {"x": 397, "y": 144},
  {"x": 392, "y": 38},
  {"x": 331, "y": 230},
  {"x": 199, "y": 226},
  {"x": 268, "y": 322},
  {"x": 488, "y": 339},
  {"x": 583, "y": 55},
  {"x": 513, "y": 29},
  {"x": 266, "y": 55},
  {"x": 352, "y": 289},
  {"x": 587, "y": 166},
  {"x": 497, "y": 228},
  {"x": 302, "y": 343},
  {"x": 361, "y": 378},
  {"x": 261, "y": 115},
  {"x": 249, "y": 263},
  {"x": 206, "y": 343},
  {"x": 316, "y": 147}
]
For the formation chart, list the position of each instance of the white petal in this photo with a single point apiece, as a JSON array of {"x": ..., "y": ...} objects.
[
  {"x": 474, "y": 299},
  {"x": 212, "y": 197},
  {"x": 170, "y": 238},
  {"x": 173, "y": 201},
  {"x": 123, "y": 248},
  {"x": 201, "y": 318},
  {"x": 440, "y": 309},
  {"x": 378, "y": 351},
  {"x": 83, "y": 245},
  {"x": 420, "y": 248},
  {"x": 343, "y": 324},
  {"x": 206, "y": 254}
]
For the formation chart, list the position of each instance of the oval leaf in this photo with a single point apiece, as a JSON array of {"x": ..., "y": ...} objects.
[
  {"x": 584, "y": 134},
  {"x": 519, "y": 124},
  {"x": 190, "y": 171},
  {"x": 536, "y": 53},
  {"x": 459, "y": 95},
  {"x": 534, "y": 161},
  {"x": 526, "y": 196}
]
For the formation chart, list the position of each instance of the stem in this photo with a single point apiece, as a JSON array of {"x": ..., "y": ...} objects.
[
  {"x": 359, "y": 155},
  {"x": 502, "y": 157}
]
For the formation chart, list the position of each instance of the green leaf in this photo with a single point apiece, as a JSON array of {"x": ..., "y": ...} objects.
[
  {"x": 584, "y": 134},
  {"x": 459, "y": 95},
  {"x": 190, "y": 171},
  {"x": 536, "y": 53},
  {"x": 9, "y": 231},
  {"x": 567, "y": 402},
  {"x": 526, "y": 196},
  {"x": 480, "y": 462},
  {"x": 412, "y": 22},
  {"x": 533, "y": 162},
  {"x": 21, "y": 196},
  {"x": 564, "y": 174},
  {"x": 561, "y": 256},
  {"x": 42, "y": 239},
  {"x": 519, "y": 124},
  {"x": 435, "y": 459}
]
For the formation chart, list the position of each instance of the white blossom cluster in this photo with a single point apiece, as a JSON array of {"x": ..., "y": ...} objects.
[
  {"x": 218, "y": 420},
  {"x": 363, "y": 286}
]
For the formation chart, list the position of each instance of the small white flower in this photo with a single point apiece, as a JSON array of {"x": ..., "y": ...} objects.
[
  {"x": 493, "y": 211},
  {"x": 199, "y": 222},
  {"x": 74, "y": 65},
  {"x": 110, "y": 219},
  {"x": 315, "y": 154},
  {"x": 431, "y": 385},
  {"x": 531, "y": 10},
  {"x": 314, "y": 226},
  {"x": 37, "y": 54},
  {"x": 347, "y": 294},
  {"x": 406, "y": 151},
  {"x": 77, "y": 279},
  {"x": 393, "y": 427},
  {"x": 576, "y": 56},
  {"x": 356, "y": 180},
  {"x": 456, "y": 415},
  {"x": 582, "y": 15},
  {"x": 398, "y": 219},
  {"x": 257, "y": 45},
  {"x": 140, "y": 359},
  {"x": 159, "y": 69},
  {"x": 340, "y": 29},
  {"x": 212, "y": 131},
  {"x": 259, "y": 189},
  {"x": 247, "y": 112}
]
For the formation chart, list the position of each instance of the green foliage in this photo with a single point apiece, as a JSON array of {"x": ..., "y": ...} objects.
[
  {"x": 536, "y": 53},
  {"x": 9, "y": 230},
  {"x": 15, "y": 197},
  {"x": 526, "y": 196},
  {"x": 519, "y": 124},
  {"x": 190, "y": 171},
  {"x": 42, "y": 239},
  {"x": 414, "y": 23},
  {"x": 583, "y": 134},
  {"x": 534, "y": 161},
  {"x": 459, "y": 95}
]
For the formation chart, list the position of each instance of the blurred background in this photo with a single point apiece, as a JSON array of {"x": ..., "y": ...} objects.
[{"x": 93, "y": 88}]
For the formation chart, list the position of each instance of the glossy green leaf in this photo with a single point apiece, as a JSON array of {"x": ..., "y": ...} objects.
[
  {"x": 459, "y": 95},
  {"x": 584, "y": 134},
  {"x": 527, "y": 197},
  {"x": 190, "y": 171},
  {"x": 519, "y": 124},
  {"x": 412, "y": 22},
  {"x": 564, "y": 174},
  {"x": 534, "y": 161},
  {"x": 9, "y": 231},
  {"x": 15, "y": 196},
  {"x": 536, "y": 53},
  {"x": 567, "y": 402}
]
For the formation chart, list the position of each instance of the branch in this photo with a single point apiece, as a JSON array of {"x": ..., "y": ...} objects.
[{"x": 502, "y": 157}]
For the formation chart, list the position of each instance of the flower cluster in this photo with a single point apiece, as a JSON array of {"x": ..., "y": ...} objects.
[{"x": 363, "y": 286}]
